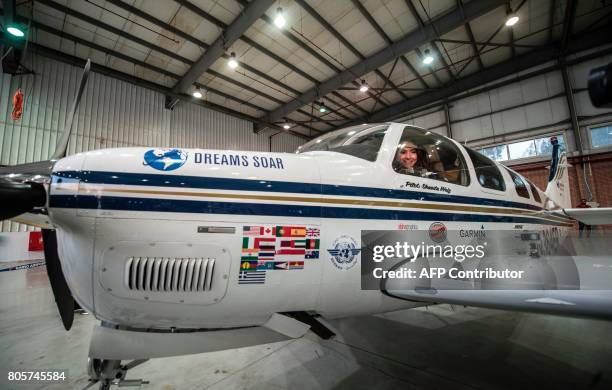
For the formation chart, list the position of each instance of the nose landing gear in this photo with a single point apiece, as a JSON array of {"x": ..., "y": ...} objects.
[{"x": 112, "y": 372}]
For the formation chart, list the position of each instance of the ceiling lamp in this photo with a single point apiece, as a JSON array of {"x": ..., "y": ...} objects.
[
  {"x": 512, "y": 19},
  {"x": 15, "y": 31},
  {"x": 428, "y": 59},
  {"x": 286, "y": 126},
  {"x": 322, "y": 108},
  {"x": 279, "y": 21},
  {"x": 197, "y": 93},
  {"x": 364, "y": 86},
  {"x": 232, "y": 63}
]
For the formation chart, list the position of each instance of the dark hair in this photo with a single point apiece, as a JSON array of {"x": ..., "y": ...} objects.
[{"x": 422, "y": 159}]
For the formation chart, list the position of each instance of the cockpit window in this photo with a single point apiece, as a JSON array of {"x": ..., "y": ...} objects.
[
  {"x": 487, "y": 173},
  {"x": 361, "y": 141},
  {"x": 519, "y": 184},
  {"x": 426, "y": 154}
]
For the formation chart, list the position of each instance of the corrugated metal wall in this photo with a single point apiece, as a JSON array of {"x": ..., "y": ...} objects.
[
  {"x": 523, "y": 109},
  {"x": 112, "y": 113}
]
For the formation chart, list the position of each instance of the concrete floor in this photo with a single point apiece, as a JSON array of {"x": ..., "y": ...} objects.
[{"x": 435, "y": 347}]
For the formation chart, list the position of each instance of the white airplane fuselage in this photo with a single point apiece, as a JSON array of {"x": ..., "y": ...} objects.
[{"x": 120, "y": 221}]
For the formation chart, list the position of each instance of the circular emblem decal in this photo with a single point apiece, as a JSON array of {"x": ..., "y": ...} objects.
[
  {"x": 344, "y": 252},
  {"x": 165, "y": 159},
  {"x": 437, "y": 232}
]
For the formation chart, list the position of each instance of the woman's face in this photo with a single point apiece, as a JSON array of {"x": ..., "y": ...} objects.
[{"x": 408, "y": 156}]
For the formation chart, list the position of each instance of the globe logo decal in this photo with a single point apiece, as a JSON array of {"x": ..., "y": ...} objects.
[
  {"x": 344, "y": 252},
  {"x": 165, "y": 159}
]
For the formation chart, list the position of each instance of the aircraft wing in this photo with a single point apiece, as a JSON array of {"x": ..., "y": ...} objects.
[
  {"x": 587, "y": 303},
  {"x": 592, "y": 216}
]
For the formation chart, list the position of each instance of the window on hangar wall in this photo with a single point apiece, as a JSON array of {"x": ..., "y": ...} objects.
[
  {"x": 534, "y": 147},
  {"x": 601, "y": 136}
]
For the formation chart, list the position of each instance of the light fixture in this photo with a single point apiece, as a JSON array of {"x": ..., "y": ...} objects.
[
  {"x": 364, "y": 86},
  {"x": 197, "y": 93},
  {"x": 322, "y": 107},
  {"x": 232, "y": 63},
  {"x": 286, "y": 126},
  {"x": 15, "y": 31},
  {"x": 279, "y": 21},
  {"x": 428, "y": 59},
  {"x": 512, "y": 19}
]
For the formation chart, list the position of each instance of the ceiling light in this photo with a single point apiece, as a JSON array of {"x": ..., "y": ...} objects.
[
  {"x": 428, "y": 59},
  {"x": 322, "y": 107},
  {"x": 279, "y": 21},
  {"x": 512, "y": 19},
  {"x": 197, "y": 93},
  {"x": 364, "y": 86},
  {"x": 15, "y": 31},
  {"x": 286, "y": 126},
  {"x": 232, "y": 63}
]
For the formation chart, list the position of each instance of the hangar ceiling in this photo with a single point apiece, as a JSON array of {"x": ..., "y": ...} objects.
[{"x": 321, "y": 55}]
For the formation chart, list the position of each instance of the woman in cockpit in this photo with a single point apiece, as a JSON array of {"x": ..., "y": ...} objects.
[{"x": 411, "y": 159}]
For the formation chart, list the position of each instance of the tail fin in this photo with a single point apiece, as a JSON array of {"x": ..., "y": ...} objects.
[{"x": 558, "y": 189}]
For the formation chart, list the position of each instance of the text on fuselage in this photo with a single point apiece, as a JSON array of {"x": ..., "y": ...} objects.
[{"x": 239, "y": 160}]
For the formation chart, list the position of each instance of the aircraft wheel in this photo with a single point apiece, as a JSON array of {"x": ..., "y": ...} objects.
[{"x": 94, "y": 368}]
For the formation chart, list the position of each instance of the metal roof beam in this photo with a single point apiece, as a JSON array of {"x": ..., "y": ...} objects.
[
  {"x": 268, "y": 53},
  {"x": 568, "y": 23},
  {"x": 114, "y": 30},
  {"x": 69, "y": 59},
  {"x": 443, "y": 24},
  {"x": 512, "y": 66},
  {"x": 346, "y": 43},
  {"x": 551, "y": 20},
  {"x": 194, "y": 40},
  {"x": 499, "y": 28},
  {"x": 145, "y": 65},
  {"x": 312, "y": 52},
  {"x": 470, "y": 34},
  {"x": 421, "y": 23},
  {"x": 135, "y": 61},
  {"x": 316, "y": 55},
  {"x": 249, "y": 15},
  {"x": 384, "y": 35},
  {"x": 151, "y": 19},
  {"x": 98, "y": 23}
]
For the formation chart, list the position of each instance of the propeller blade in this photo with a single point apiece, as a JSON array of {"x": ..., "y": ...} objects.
[
  {"x": 62, "y": 142},
  {"x": 20, "y": 198},
  {"x": 63, "y": 297},
  {"x": 19, "y": 190}
]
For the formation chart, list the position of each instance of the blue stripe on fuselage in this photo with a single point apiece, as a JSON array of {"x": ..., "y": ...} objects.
[
  {"x": 177, "y": 181},
  {"x": 207, "y": 207}
]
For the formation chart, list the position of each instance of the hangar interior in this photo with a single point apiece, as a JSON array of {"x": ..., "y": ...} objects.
[{"x": 454, "y": 67}]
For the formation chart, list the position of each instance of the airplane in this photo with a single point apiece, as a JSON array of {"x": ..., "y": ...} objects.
[{"x": 180, "y": 251}]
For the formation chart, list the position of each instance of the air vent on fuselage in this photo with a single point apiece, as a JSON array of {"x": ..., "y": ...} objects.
[{"x": 167, "y": 274}]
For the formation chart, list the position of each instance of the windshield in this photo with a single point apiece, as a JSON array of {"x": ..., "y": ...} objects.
[{"x": 361, "y": 141}]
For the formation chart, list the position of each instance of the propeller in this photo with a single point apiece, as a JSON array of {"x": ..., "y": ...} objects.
[
  {"x": 21, "y": 186},
  {"x": 23, "y": 189}
]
